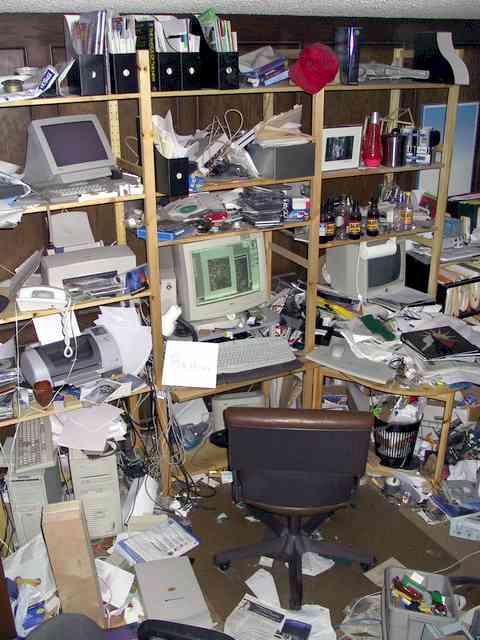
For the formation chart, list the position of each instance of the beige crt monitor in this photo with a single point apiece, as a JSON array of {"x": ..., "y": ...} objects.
[{"x": 220, "y": 278}]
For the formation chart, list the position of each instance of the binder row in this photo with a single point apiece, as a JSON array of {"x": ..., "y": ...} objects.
[{"x": 174, "y": 71}]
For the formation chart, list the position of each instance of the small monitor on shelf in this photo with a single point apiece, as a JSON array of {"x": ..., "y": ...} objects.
[
  {"x": 372, "y": 271},
  {"x": 67, "y": 149},
  {"x": 221, "y": 278}
]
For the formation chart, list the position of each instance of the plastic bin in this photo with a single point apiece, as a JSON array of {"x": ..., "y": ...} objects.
[
  {"x": 395, "y": 443},
  {"x": 402, "y": 624}
]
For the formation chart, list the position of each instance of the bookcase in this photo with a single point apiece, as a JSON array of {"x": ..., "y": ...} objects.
[{"x": 307, "y": 264}]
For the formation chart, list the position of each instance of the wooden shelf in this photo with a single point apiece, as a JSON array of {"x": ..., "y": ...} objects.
[
  {"x": 59, "y": 206},
  {"x": 283, "y": 87},
  {"x": 225, "y": 234},
  {"x": 9, "y": 314},
  {"x": 257, "y": 182},
  {"x": 346, "y": 173},
  {"x": 385, "y": 85},
  {"x": 41, "y": 102},
  {"x": 278, "y": 88},
  {"x": 380, "y": 237},
  {"x": 70, "y": 404},
  {"x": 182, "y": 394}
]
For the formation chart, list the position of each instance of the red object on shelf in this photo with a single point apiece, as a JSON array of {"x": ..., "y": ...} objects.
[{"x": 372, "y": 142}]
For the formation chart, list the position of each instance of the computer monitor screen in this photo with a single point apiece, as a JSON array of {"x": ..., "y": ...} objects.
[
  {"x": 67, "y": 149},
  {"x": 353, "y": 275},
  {"x": 221, "y": 276},
  {"x": 87, "y": 148}
]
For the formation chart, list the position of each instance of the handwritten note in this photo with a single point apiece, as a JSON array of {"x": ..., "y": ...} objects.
[{"x": 190, "y": 364}]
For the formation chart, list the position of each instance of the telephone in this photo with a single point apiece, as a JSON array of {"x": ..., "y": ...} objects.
[{"x": 41, "y": 297}]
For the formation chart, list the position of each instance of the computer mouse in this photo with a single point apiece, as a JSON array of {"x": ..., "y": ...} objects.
[{"x": 337, "y": 349}]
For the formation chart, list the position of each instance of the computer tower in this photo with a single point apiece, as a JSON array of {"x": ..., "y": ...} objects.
[
  {"x": 168, "y": 281},
  {"x": 95, "y": 483},
  {"x": 28, "y": 494},
  {"x": 225, "y": 400}
]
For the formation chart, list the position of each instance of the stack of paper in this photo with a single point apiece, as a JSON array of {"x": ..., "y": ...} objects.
[
  {"x": 167, "y": 540},
  {"x": 88, "y": 428}
]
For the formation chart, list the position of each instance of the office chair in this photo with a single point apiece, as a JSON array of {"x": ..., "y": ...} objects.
[
  {"x": 76, "y": 626},
  {"x": 289, "y": 465}
]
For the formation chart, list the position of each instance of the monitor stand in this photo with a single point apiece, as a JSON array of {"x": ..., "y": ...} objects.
[{"x": 232, "y": 321}]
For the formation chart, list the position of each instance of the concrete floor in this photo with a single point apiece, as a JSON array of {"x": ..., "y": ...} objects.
[{"x": 373, "y": 526}]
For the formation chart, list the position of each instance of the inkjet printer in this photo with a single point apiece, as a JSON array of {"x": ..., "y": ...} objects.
[{"x": 96, "y": 355}]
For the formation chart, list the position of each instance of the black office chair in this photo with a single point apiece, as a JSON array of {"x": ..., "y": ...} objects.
[
  {"x": 76, "y": 626},
  {"x": 295, "y": 464}
]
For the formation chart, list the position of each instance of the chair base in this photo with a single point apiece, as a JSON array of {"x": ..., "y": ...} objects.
[{"x": 292, "y": 541}]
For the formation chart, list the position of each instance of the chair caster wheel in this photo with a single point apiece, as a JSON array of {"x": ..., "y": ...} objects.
[
  {"x": 224, "y": 566},
  {"x": 366, "y": 566}
]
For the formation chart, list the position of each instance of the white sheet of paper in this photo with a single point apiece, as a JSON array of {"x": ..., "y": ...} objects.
[
  {"x": 50, "y": 329},
  {"x": 190, "y": 364},
  {"x": 71, "y": 228},
  {"x": 115, "y": 583},
  {"x": 265, "y": 561},
  {"x": 263, "y": 586},
  {"x": 314, "y": 564},
  {"x": 7, "y": 349}
]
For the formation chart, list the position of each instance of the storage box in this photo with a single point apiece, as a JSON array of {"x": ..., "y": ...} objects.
[
  {"x": 123, "y": 73},
  {"x": 281, "y": 163},
  {"x": 68, "y": 543},
  {"x": 403, "y": 624}
]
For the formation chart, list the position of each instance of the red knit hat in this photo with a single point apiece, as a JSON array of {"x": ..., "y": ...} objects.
[{"x": 316, "y": 67}]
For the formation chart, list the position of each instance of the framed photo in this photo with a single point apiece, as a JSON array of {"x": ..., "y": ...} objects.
[{"x": 341, "y": 148}]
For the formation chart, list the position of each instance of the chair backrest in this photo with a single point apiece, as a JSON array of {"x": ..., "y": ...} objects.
[{"x": 297, "y": 458}]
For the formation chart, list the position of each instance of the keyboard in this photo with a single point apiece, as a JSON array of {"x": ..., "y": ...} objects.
[
  {"x": 236, "y": 356},
  {"x": 456, "y": 254},
  {"x": 105, "y": 187},
  {"x": 34, "y": 448}
]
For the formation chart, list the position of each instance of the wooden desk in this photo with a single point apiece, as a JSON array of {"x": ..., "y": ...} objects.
[{"x": 443, "y": 394}]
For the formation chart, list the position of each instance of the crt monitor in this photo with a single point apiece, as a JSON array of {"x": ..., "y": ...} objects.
[
  {"x": 352, "y": 274},
  {"x": 67, "y": 149},
  {"x": 220, "y": 278}
]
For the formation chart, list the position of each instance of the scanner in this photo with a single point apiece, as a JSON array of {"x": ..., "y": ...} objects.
[{"x": 97, "y": 355}]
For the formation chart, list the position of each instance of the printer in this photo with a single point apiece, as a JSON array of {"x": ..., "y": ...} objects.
[
  {"x": 82, "y": 263},
  {"x": 96, "y": 355}
]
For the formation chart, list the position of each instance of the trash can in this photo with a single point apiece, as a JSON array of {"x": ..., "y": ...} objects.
[{"x": 395, "y": 443}]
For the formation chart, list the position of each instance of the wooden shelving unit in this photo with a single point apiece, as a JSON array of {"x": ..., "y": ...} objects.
[{"x": 144, "y": 99}]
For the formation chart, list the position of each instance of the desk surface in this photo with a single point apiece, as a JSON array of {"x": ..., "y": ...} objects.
[
  {"x": 440, "y": 392},
  {"x": 182, "y": 394}
]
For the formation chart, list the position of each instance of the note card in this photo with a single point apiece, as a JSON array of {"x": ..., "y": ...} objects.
[{"x": 190, "y": 364}]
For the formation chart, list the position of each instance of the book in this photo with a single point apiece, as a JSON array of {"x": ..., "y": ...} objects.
[
  {"x": 145, "y": 32},
  {"x": 439, "y": 343},
  {"x": 435, "y": 53}
]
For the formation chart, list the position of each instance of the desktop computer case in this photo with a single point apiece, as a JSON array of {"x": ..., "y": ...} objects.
[
  {"x": 95, "y": 483},
  {"x": 29, "y": 494}
]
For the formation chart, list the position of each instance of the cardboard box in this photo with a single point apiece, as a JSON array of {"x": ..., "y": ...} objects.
[
  {"x": 68, "y": 543},
  {"x": 470, "y": 408}
]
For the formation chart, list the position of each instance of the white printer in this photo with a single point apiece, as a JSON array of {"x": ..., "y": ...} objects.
[{"x": 94, "y": 261}]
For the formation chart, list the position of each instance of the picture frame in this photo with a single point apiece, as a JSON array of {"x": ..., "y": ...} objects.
[{"x": 341, "y": 148}]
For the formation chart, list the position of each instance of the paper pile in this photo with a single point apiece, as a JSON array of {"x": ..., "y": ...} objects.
[
  {"x": 88, "y": 428},
  {"x": 167, "y": 540}
]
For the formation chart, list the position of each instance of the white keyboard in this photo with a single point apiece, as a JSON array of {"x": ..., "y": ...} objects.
[
  {"x": 236, "y": 356},
  {"x": 105, "y": 187},
  {"x": 34, "y": 448},
  {"x": 457, "y": 254}
]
